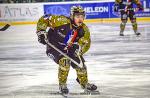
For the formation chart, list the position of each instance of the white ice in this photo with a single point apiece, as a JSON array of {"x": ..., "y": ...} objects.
[{"x": 120, "y": 66}]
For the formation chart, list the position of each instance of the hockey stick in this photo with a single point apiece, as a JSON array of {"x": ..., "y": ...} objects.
[
  {"x": 5, "y": 27},
  {"x": 72, "y": 60}
]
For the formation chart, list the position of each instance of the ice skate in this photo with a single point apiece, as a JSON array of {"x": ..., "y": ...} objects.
[
  {"x": 137, "y": 33},
  {"x": 63, "y": 89},
  {"x": 121, "y": 33},
  {"x": 90, "y": 87}
]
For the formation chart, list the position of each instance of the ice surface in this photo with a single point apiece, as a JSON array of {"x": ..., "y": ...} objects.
[{"x": 120, "y": 66}]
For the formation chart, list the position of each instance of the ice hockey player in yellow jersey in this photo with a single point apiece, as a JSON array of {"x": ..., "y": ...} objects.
[{"x": 72, "y": 37}]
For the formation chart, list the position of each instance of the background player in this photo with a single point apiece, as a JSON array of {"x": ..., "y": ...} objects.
[
  {"x": 126, "y": 9},
  {"x": 71, "y": 36}
]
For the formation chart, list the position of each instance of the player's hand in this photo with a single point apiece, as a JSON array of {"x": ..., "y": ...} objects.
[
  {"x": 68, "y": 46},
  {"x": 41, "y": 37}
]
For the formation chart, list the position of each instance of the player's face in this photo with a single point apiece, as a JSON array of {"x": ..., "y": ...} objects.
[{"x": 78, "y": 19}]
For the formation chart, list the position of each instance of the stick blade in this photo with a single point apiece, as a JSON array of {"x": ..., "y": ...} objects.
[{"x": 5, "y": 27}]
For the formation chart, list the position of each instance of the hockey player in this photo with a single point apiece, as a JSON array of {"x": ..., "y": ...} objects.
[
  {"x": 72, "y": 37},
  {"x": 126, "y": 9}
]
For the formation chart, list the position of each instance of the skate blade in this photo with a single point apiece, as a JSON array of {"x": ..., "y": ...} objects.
[
  {"x": 76, "y": 93},
  {"x": 65, "y": 95},
  {"x": 96, "y": 92}
]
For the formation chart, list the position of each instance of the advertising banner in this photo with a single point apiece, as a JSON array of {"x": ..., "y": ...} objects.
[
  {"x": 33, "y": 11},
  {"x": 20, "y": 12},
  {"x": 94, "y": 10}
]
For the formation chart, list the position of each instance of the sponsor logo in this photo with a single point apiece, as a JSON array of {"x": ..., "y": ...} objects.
[
  {"x": 56, "y": 10},
  {"x": 100, "y": 9},
  {"x": 13, "y": 11},
  {"x": 115, "y": 13}
]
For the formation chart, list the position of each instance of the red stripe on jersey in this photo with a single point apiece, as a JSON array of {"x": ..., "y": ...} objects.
[{"x": 73, "y": 38}]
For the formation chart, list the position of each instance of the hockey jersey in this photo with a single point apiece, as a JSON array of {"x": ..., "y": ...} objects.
[
  {"x": 61, "y": 31},
  {"x": 127, "y": 4}
]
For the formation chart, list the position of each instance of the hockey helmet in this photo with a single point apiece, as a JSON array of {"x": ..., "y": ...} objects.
[{"x": 76, "y": 10}]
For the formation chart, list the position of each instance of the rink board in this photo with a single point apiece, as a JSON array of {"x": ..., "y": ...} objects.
[{"x": 102, "y": 20}]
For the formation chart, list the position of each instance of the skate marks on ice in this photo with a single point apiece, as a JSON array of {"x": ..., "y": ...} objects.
[
  {"x": 122, "y": 63},
  {"x": 110, "y": 34},
  {"x": 120, "y": 66},
  {"x": 51, "y": 91}
]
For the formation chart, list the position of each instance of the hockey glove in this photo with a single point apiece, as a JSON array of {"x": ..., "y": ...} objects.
[{"x": 41, "y": 37}]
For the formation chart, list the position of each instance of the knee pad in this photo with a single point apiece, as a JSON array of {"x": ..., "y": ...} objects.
[
  {"x": 64, "y": 64},
  {"x": 123, "y": 23},
  {"x": 134, "y": 25}
]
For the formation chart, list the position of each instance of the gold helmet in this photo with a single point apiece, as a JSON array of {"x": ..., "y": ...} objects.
[{"x": 76, "y": 10}]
